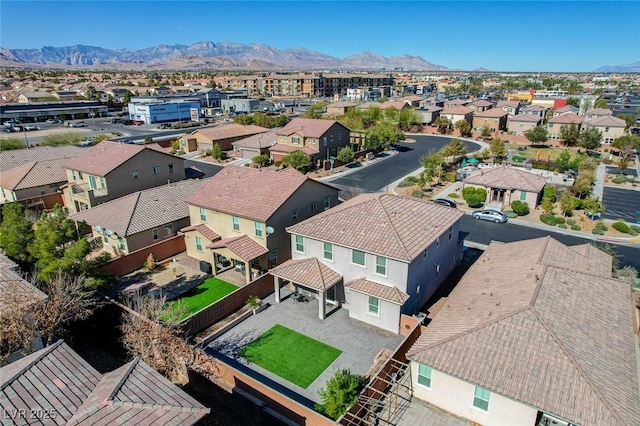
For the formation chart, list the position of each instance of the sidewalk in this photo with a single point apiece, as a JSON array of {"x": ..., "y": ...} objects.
[{"x": 347, "y": 171}]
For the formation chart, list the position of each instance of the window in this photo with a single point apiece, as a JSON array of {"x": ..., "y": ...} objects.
[
  {"x": 294, "y": 215},
  {"x": 73, "y": 175},
  {"x": 42, "y": 190},
  {"x": 135, "y": 174},
  {"x": 105, "y": 237},
  {"x": 327, "y": 203},
  {"x": 198, "y": 243},
  {"x": 92, "y": 182},
  {"x": 258, "y": 229},
  {"x": 437, "y": 242},
  {"x": 121, "y": 243},
  {"x": 606, "y": 129},
  {"x": 314, "y": 207},
  {"x": 295, "y": 140},
  {"x": 328, "y": 251},
  {"x": 324, "y": 141},
  {"x": 299, "y": 243},
  {"x": 450, "y": 232},
  {"x": 481, "y": 398},
  {"x": 171, "y": 169},
  {"x": 273, "y": 257},
  {"x": 203, "y": 214},
  {"x": 374, "y": 305},
  {"x": 154, "y": 232},
  {"x": 102, "y": 183},
  {"x": 156, "y": 170},
  {"x": 424, "y": 375},
  {"x": 236, "y": 223},
  {"x": 357, "y": 257},
  {"x": 523, "y": 195},
  {"x": 381, "y": 265},
  {"x": 167, "y": 230},
  {"x": 80, "y": 176}
]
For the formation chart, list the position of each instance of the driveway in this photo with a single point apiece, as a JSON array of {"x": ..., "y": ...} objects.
[
  {"x": 376, "y": 176},
  {"x": 621, "y": 204}
]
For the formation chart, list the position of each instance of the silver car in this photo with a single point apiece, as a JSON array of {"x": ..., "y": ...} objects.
[{"x": 490, "y": 215}]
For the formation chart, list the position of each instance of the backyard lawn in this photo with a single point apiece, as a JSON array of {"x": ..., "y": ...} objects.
[
  {"x": 291, "y": 355},
  {"x": 211, "y": 290}
]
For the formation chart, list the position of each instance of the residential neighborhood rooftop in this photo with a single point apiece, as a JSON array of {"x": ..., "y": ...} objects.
[
  {"x": 309, "y": 272},
  {"x": 230, "y": 131},
  {"x": 568, "y": 118},
  {"x": 32, "y": 175},
  {"x": 525, "y": 118},
  {"x": 306, "y": 127},
  {"x": 493, "y": 112},
  {"x": 507, "y": 178},
  {"x": 12, "y": 158},
  {"x": 607, "y": 121},
  {"x": 599, "y": 111},
  {"x": 458, "y": 109},
  {"x": 261, "y": 140}
]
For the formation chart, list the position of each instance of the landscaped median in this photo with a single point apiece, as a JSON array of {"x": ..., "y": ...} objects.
[
  {"x": 293, "y": 356},
  {"x": 211, "y": 290}
]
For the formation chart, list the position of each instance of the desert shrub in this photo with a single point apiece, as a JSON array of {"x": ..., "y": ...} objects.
[
  {"x": 510, "y": 214},
  {"x": 635, "y": 228},
  {"x": 417, "y": 193},
  {"x": 453, "y": 195},
  {"x": 449, "y": 177},
  {"x": 341, "y": 393},
  {"x": 621, "y": 227},
  {"x": 549, "y": 192},
  {"x": 521, "y": 208},
  {"x": 607, "y": 161},
  {"x": 474, "y": 197},
  {"x": 548, "y": 218},
  {"x": 600, "y": 226},
  {"x": 559, "y": 220},
  {"x": 406, "y": 183},
  {"x": 597, "y": 231},
  {"x": 575, "y": 228},
  {"x": 619, "y": 179},
  {"x": 571, "y": 222},
  {"x": 562, "y": 225}
]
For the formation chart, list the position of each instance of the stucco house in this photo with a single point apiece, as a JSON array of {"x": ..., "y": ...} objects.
[
  {"x": 377, "y": 255},
  {"x": 142, "y": 218},
  {"x": 453, "y": 103},
  {"x": 480, "y": 105},
  {"x": 534, "y": 110},
  {"x": 512, "y": 107},
  {"x": 241, "y": 214},
  {"x": 255, "y": 145},
  {"x": 110, "y": 170},
  {"x": 30, "y": 97},
  {"x": 507, "y": 184},
  {"x": 567, "y": 109},
  {"x": 457, "y": 113},
  {"x": 518, "y": 124},
  {"x": 611, "y": 127},
  {"x": 494, "y": 118},
  {"x": 320, "y": 139},
  {"x": 535, "y": 333},
  {"x": 204, "y": 139},
  {"x": 429, "y": 113},
  {"x": 597, "y": 112},
  {"x": 340, "y": 108},
  {"x": 557, "y": 122}
]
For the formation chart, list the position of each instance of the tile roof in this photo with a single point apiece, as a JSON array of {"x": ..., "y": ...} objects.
[
  {"x": 203, "y": 229},
  {"x": 390, "y": 293},
  {"x": 341, "y": 104},
  {"x": 567, "y": 108},
  {"x": 56, "y": 378},
  {"x": 481, "y": 103},
  {"x": 32, "y": 175},
  {"x": 6, "y": 262},
  {"x": 457, "y": 110},
  {"x": 307, "y": 127},
  {"x": 525, "y": 118},
  {"x": 389, "y": 225},
  {"x": 507, "y": 178},
  {"x": 512, "y": 104},
  {"x": 244, "y": 247},
  {"x": 261, "y": 140},
  {"x": 280, "y": 147},
  {"x": 537, "y": 108},
  {"x": 229, "y": 131},
  {"x": 255, "y": 194},
  {"x": 12, "y": 282},
  {"x": 308, "y": 272},
  {"x": 144, "y": 209},
  {"x": 599, "y": 111},
  {"x": 553, "y": 337},
  {"x": 568, "y": 118},
  {"x": 393, "y": 104},
  {"x": 459, "y": 102},
  {"x": 493, "y": 112},
  {"x": 17, "y": 157},
  {"x": 103, "y": 158},
  {"x": 607, "y": 121}
]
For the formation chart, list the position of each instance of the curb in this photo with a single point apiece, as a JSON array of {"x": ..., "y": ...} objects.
[{"x": 363, "y": 165}]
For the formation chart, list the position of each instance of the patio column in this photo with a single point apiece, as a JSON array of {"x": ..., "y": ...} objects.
[
  {"x": 215, "y": 263},
  {"x": 276, "y": 285},
  {"x": 322, "y": 304},
  {"x": 247, "y": 272}
]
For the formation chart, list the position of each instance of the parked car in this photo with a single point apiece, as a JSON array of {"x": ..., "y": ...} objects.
[
  {"x": 490, "y": 215},
  {"x": 31, "y": 127},
  {"x": 138, "y": 122},
  {"x": 445, "y": 202},
  {"x": 77, "y": 124}
]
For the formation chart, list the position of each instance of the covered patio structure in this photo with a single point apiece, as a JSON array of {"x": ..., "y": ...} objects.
[
  {"x": 312, "y": 275},
  {"x": 242, "y": 251}
]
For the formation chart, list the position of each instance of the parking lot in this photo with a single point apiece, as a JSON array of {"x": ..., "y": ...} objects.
[{"x": 621, "y": 204}]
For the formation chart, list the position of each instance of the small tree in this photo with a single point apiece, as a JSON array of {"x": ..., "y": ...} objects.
[
  {"x": 150, "y": 262},
  {"x": 498, "y": 149},
  {"x": 627, "y": 144},
  {"x": 592, "y": 206},
  {"x": 590, "y": 138},
  {"x": 340, "y": 394},
  {"x": 260, "y": 160},
  {"x": 601, "y": 103},
  {"x": 568, "y": 203},
  {"x": 464, "y": 127},
  {"x": 345, "y": 155},
  {"x": 298, "y": 160},
  {"x": 570, "y": 135},
  {"x": 455, "y": 148},
  {"x": 629, "y": 119},
  {"x": 443, "y": 124},
  {"x": 486, "y": 133},
  {"x": 547, "y": 205},
  {"x": 537, "y": 136},
  {"x": 216, "y": 152},
  {"x": 16, "y": 232},
  {"x": 254, "y": 302},
  {"x": 564, "y": 158}
]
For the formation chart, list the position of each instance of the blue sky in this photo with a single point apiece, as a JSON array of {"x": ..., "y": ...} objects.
[{"x": 501, "y": 36}]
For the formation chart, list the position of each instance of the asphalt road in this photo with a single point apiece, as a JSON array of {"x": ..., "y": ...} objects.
[
  {"x": 483, "y": 232},
  {"x": 377, "y": 176},
  {"x": 615, "y": 171},
  {"x": 207, "y": 168},
  {"x": 621, "y": 204}
]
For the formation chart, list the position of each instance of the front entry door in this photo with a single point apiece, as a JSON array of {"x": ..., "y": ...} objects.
[
  {"x": 498, "y": 195},
  {"x": 331, "y": 295}
]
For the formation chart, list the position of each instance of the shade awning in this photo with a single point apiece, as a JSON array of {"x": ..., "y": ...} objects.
[
  {"x": 308, "y": 272},
  {"x": 243, "y": 247}
]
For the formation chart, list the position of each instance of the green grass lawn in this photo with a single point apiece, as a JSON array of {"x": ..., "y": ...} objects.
[
  {"x": 293, "y": 356},
  {"x": 211, "y": 290}
]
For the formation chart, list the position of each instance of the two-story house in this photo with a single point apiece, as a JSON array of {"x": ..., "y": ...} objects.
[
  {"x": 534, "y": 110},
  {"x": 535, "y": 333},
  {"x": 518, "y": 124},
  {"x": 378, "y": 255},
  {"x": 566, "y": 109},
  {"x": 111, "y": 170},
  {"x": 597, "y": 112},
  {"x": 316, "y": 138},
  {"x": 494, "y": 118},
  {"x": 239, "y": 216},
  {"x": 453, "y": 103},
  {"x": 512, "y": 107},
  {"x": 611, "y": 127},
  {"x": 142, "y": 218},
  {"x": 557, "y": 122},
  {"x": 458, "y": 113},
  {"x": 480, "y": 105},
  {"x": 204, "y": 139},
  {"x": 340, "y": 108}
]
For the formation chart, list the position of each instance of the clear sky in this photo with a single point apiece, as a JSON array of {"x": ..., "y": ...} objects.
[{"x": 501, "y": 36}]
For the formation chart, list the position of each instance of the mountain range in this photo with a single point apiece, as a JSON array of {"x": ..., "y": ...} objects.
[
  {"x": 224, "y": 55},
  {"x": 635, "y": 67}
]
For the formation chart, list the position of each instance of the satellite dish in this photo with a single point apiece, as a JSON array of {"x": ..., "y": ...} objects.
[
  {"x": 270, "y": 230},
  {"x": 97, "y": 228},
  {"x": 108, "y": 232}
]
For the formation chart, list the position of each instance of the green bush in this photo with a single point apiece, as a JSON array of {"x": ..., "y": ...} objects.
[
  {"x": 575, "y": 228},
  {"x": 548, "y": 218},
  {"x": 474, "y": 197},
  {"x": 521, "y": 208},
  {"x": 340, "y": 394},
  {"x": 559, "y": 220},
  {"x": 571, "y": 222},
  {"x": 549, "y": 193},
  {"x": 510, "y": 214},
  {"x": 619, "y": 179},
  {"x": 635, "y": 228},
  {"x": 449, "y": 177},
  {"x": 601, "y": 227},
  {"x": 562, "y": 225},
  {"x": 417, "y": 193},
  {"x": 453, "y": 195},
  {"x": 597, "y": 231},
  {"x": 260, "y": 160},
  {"x": 410, "y": 181},
  {"x": 622, "y": 227}
]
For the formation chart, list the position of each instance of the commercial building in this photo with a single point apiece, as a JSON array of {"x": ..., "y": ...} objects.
[
  {"x": 159, "y": 111},
  {"x": 41, "y": 111}
]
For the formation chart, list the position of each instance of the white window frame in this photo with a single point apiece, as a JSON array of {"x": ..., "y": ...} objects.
[
  {"x": 299, "y": 239},
  {"x": 235, "y": 221},
  {"x": 168, "y": 227},
  {"x": 154, "y": 234},
  {"x": 373, "y": 308},
  {"x": 425, "y": 373},
  {"x": 364, "y": 258},
  {"x": 379, "y": 265},
  {"x": 203, "y": 214},
  {"x": 198, "y": 243},
  {"x": 258, "y": 229},
  {"x": 325, "y": 251},
  {"x": 479, "y": 400}
]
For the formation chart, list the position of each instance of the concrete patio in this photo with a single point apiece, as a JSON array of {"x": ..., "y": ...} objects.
[{"x": 359, "y": 345}]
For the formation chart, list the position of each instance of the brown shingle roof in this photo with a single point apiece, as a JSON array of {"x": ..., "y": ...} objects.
[
  {"x": 568, "y": 118},
  {"x": 255, "y": 194},
  {"x": 493, "y": 112},
  {"x": 203, "y": 229},
  {"x": 107, "y": 156},
  {"x": 144, "y": 209},
  {"x": 32, "y": 175},
  {"x": 392, "y": 226},
  {"x": 557, "y": 339},
  {"x": 280, "y": 147},
  {"x": 390, "y": 293},
  {"x": 17, "y": 157},
  {"x": 308, "y": 272},
  {"x": 229, "y": 131},
  {"x": 507, "y": 178},
  {"x": 307, "y": 127},
  {"x": 244, "y": 247},
  {"x": 261, "y": 140}
]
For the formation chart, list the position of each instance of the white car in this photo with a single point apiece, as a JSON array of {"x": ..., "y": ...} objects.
[{"x": 31, "y": 127}]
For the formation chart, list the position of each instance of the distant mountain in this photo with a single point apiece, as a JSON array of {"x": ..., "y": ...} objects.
[
  {"x": 635, "y": 67},
  {"x": 207, "y": 55}
]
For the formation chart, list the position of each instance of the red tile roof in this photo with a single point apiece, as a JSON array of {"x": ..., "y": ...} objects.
[
  {"x": 307, "y": 127},
  {"x": 507, "y": 178},
  {"x": 524, "y": 118},
  {"x": 242, "y": 246},
  {"x": 481, "y": 103},
  {"x": 229, "y": 131},
  {"x": 390, "y": 293},
  {"x": 607, "y": 121},
  {"x": 308, "y": 272},
  {"x": 255, "y": 194},
  {"x": 203, "y": 229},
  {"x": 391, "y": 226},
  {"x": 539, "y": 330},
  {"x": 506, "y": 104}
]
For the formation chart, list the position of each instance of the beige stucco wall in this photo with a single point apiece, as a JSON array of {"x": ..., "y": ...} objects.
[
  {"x": 531, "y": 198},
  {"x": 494, "y": 123},
  {"x": 519, "y": 127},
  {"x": 456, "y": 396},
  {"x": 609, "y": 134},
  {"x": 337, "y": 137}
]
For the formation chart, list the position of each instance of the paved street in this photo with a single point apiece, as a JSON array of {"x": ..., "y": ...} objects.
[{"x": 621, "y": 204}]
